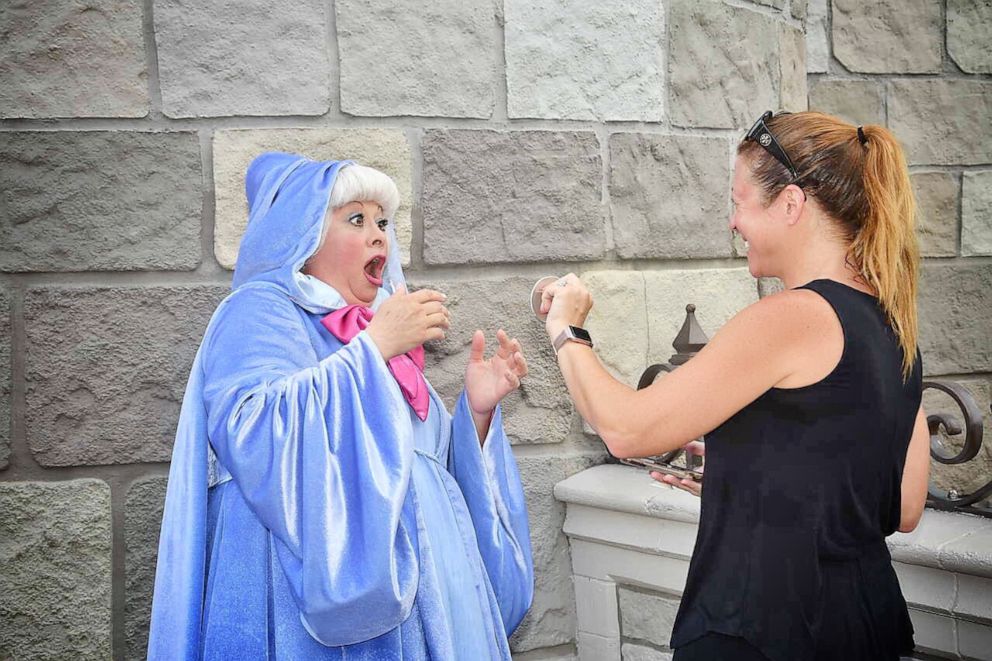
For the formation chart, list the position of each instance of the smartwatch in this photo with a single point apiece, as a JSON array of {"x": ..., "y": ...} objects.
[{"x": 572, "y": 334}]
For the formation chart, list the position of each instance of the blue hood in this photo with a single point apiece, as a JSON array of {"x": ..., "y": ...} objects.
[{"x": 288, "y": 197}]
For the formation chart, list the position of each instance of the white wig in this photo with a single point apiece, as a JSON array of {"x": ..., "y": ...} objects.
[{"x": 360, "y": 183}]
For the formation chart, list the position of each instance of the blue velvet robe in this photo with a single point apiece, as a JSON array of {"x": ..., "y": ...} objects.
[{"x": 310, "y": 514}]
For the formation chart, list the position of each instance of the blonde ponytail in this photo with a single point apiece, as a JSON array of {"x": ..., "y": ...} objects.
[{"x": 885, "y": 247}]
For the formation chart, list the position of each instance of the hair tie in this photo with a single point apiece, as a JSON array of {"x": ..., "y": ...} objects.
[{"x": 862, "y": 138}]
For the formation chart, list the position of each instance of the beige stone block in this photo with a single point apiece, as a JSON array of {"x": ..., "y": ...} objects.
[
  {"x": 618, "y": 321},
  {"x": 718, "y": 295},
  {"x": 385, "y": 149}
]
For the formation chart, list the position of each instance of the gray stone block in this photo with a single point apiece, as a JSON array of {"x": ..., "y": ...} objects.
[
  {"x": 55, "y": 570},
  {"x": 100, "y": 200},
  {"x": 856, "y": 101},
  {"x": 66, "y": 59},
  {"x": 888, "y": 36},
  {"x": 976, "y": 213},
  {"x": 540, "y": 412},
  {"x": 726, "y": 65},
  {"x": 551, "y": 619},
  {"x": 632, "y": 652},
  {"x": 142, "y": 522},
  {"x": 955, "y": 317},
  {"x": 937, "y": 200},
  {"x": 969, "y": 34},
  {"x": 415, "y": 58},
  {"x": 793, "y": 93},
  {"x": 817, "y": 37},
  {"x": 5, "y": 340},
  {"x": 106, "y": 369},
  {"x": 387, "y": 150},
  {"x": 669, "y": 195},
  {"x": 584, "y": 59},
  {"x": 942, "y": 122},
  {"x": 521, "y": 196},
  {"x": 799, "y": 9},
  {"x": 646, "y": 615},
  {"x": 244, "y": 57}
]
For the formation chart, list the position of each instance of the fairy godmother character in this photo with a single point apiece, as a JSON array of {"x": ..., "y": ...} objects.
[{"x": 322, "y": 503}]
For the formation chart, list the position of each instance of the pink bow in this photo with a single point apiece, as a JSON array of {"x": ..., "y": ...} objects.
[{"x": 407, "y": 368}]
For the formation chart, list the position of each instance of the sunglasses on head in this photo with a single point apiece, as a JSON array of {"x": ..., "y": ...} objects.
[{"x": 763, "y": 136}]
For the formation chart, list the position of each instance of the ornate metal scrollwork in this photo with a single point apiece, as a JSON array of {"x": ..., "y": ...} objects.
[
  {"x": 690, "y": 340},
  {"x": 952, "y": 499}
]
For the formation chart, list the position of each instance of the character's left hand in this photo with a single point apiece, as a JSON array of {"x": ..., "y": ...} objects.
[{"x": 487, "y": 381}]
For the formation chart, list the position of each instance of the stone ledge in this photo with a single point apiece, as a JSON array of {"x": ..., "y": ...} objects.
[
  {"x": 626, "y": 530},
  {"x": 627, "y": 489},
  {"x": 954, "y": 542}
]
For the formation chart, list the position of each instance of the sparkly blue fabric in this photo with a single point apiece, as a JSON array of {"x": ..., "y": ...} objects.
[{"x": 342, "y": 527}]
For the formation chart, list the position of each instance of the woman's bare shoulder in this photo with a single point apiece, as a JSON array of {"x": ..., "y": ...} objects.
[{"x": 785, "y": 313}]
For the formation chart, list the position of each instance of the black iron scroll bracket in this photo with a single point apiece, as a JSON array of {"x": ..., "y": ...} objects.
[{"x": 953, "y": 499}]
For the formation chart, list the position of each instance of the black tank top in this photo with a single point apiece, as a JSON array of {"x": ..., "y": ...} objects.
[{"x": 802, "y": 487}]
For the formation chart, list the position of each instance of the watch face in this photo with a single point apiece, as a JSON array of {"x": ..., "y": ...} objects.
[{"x": 581, "y": 333}]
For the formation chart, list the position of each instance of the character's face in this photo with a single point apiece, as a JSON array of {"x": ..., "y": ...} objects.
[
  {"x": 353, "y": 256},
  {"x": 756, "y": 223}
]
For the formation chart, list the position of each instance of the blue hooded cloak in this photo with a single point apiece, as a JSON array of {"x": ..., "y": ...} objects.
[{"x": 309, "y": 513}]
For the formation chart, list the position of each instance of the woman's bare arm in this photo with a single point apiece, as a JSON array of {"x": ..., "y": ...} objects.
[
  {"x": 915, "y": 475},
  {"x": 767, "y": 344}
]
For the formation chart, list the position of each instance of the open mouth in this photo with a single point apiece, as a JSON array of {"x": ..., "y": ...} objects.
[{"x": 374, "y": 268}]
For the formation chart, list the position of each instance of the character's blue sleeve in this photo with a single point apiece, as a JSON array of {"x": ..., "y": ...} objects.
[
  {"x": 490, "y": 482},
  {"x": 322, "y": 452}
]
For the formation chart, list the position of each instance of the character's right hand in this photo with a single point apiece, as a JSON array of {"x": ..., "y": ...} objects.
[{"x": 405, "y": 321}]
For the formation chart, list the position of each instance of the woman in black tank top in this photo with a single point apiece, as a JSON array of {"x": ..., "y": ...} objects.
[{"x": 817, "y": 446}]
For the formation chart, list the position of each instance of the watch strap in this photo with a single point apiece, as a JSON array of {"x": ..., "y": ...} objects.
[{"x": 572, "y": 334}]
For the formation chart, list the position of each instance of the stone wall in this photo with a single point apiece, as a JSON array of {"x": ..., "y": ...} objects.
[{"x": 526, "y": 138}]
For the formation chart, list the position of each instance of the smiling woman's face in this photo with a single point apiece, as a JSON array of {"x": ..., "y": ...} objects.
[
  {"x": 353, "y": 256},
  {"x": 751, "y": 219}
]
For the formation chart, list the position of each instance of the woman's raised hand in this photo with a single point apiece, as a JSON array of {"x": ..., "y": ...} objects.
[
  {"x": 567, "y": 303},
  {"x": 405, "y": 321},
  {"x": 487, "y": 381},
  {"x": 686, "y": 484}
]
